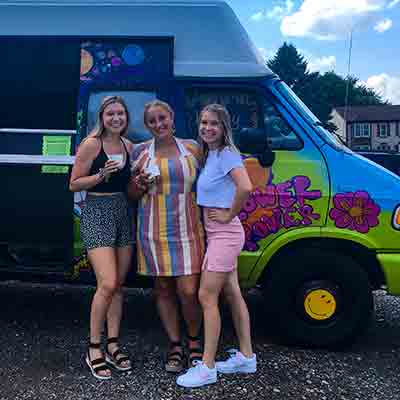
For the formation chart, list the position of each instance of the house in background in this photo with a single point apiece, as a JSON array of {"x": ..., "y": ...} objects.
[{"x": 369, "y": 128}]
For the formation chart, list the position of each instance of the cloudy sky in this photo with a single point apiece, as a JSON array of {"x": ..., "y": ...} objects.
[{"x": 320, "y": 29}]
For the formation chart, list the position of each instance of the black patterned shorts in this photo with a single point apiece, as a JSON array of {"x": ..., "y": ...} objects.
[{"x": 105, "y": 222}]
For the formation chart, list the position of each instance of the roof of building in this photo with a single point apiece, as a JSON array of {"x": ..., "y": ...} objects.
[
  {"x": 209, "y": 40},
  {"x": 371, "y": 113}
]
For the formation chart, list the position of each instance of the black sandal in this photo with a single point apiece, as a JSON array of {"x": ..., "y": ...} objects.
[
  {"x": 117, "y": 357},
  {"x": 194, "y": 350},
  {"x": 97, "y": 365},
  {"x": 175, "y": 359}
]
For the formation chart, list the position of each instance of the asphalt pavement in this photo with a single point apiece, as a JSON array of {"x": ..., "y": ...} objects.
[{"x": 43, "y": 338}]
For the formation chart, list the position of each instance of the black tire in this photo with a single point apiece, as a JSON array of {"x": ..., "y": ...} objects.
[{"x": 293, "y": 274}]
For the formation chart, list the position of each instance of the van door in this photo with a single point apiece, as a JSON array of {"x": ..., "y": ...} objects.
[
  {"x": 291, "y": 195},
  {"x": 39, "y": 79}
]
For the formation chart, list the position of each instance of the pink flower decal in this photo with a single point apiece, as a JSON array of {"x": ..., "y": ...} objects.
[{"x": 355, "y": 211}]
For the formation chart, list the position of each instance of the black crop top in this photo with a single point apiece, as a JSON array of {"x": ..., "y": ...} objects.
[{"x": 117, "y": 181}]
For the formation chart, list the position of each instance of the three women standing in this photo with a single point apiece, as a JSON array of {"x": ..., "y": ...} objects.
[
  {"x": 102, "y": 168},
  {"x": 170, "y": 237}
]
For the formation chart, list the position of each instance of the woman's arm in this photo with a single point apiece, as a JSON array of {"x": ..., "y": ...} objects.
[
  {"x": 80, "y": 180},
  {"x": 193, "y": 147},
  {"x": 243, "y": 189},
  {"x": 83, "y": 161},
  {"x": 139, "y": 183}
]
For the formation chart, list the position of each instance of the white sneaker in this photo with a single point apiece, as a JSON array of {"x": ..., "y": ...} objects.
[
  {"x": 197, "y": 376},
  {"x": 237, "y": 363}
]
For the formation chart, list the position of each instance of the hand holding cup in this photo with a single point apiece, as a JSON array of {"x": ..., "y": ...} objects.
[
  {"x": 144, "y": 180},
  {"x": 110, "y": 167}
]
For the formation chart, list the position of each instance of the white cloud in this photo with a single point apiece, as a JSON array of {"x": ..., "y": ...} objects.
[
  {"x": 393, "y": 3},
  {"x": 318, "y": 64},
  {"x": 387, "y": 86},
  {"x": 258, "y": 16},
  {"x": 383, "y": 25},
  {"x": 331, "y": 19},
  {"x": 278, "y": 12},
  {"x": 321, "y": 64}
]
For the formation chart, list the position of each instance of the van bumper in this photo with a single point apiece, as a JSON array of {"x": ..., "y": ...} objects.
[{"x": 390, "y": 263}]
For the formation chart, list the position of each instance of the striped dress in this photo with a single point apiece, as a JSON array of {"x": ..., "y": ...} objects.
[{"x": 170, "y": 236}]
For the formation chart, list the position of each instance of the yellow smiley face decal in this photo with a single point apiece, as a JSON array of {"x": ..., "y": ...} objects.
[{"x": 320, "y": 304}]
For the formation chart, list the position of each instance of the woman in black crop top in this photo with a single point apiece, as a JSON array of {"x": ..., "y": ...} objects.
[{"x": 102, "y": 168}]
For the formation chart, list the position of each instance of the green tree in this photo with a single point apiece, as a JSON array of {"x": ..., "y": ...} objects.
[
  {"x": 290, "y": 65},
  {"x": 320, "y": 92}
]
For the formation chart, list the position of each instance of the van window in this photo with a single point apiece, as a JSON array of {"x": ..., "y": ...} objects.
[
  {"x": 279, "y": 133},
  {"x": 135, "y": 101},
  {"x": 332, "y": 138},
  {"x": 39, "y": 82},
  {"x": 248, "y": 109}
]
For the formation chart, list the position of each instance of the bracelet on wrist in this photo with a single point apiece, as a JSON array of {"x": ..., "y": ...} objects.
[{"x": 101, "y": 174}]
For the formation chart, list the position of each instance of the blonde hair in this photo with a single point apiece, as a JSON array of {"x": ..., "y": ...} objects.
[
  {"x": 99, "y": 130},
  {"x": 224, "y": 119},
  {"x": 157, "y": 103}
]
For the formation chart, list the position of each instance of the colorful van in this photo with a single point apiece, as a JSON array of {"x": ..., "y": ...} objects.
[{"x": 322, "y": 224}]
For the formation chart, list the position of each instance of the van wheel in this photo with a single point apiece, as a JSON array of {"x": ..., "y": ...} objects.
[{"x": 318, "y": 298}]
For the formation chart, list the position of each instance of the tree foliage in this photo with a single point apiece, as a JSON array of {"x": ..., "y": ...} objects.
[{"x": 320, "y": 92}]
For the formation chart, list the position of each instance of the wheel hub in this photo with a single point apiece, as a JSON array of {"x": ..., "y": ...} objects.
[
  {"x": 319, "y": 301},
  {"x": 320, "y": 304}
]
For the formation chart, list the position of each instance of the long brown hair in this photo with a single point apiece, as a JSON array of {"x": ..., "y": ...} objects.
[
  {"x": 99, "y": 130},
  {"x": 224, "y": 119}
]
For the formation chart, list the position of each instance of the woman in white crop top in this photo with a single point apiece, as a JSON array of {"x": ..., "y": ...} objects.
[{"x": 222, "y": 188}]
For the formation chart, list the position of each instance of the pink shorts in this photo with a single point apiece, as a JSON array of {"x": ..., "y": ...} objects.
[{"x": 224, "y": 244}]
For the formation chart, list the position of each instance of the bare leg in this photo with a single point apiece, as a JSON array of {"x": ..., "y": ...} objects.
[
  {"x": 187, "y": 289},
  {"x": 104, "y": 264},
  {"x": 240, "y": 313},
  {"x": 165, "y": 292},
  {"x": 114, "y": 314},
  {"x": 167, "y": 305},
  {"x": 210, "y": 287}
]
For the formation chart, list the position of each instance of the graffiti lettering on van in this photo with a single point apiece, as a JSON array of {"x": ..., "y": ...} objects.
[{"x": 278, "y": 206}]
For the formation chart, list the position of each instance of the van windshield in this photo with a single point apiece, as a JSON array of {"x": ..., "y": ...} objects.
[{"x": 331, "y": 138}]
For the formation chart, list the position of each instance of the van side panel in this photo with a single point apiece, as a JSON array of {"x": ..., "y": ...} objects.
[
  {"x": 364, "y": 198},
  {"x": 293, "y": 193},
  {"x": 294, "y": 196}
]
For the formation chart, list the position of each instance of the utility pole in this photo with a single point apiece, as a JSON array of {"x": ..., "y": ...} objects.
[{"x": 346, "y": 100}]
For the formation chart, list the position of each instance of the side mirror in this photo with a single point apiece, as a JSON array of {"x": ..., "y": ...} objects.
[{"x": 254, "y": 141}]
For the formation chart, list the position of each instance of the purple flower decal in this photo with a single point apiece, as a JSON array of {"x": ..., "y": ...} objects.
[{"x": 355, "y": 211}]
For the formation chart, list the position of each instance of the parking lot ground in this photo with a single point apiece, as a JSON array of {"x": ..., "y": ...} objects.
[{"x": 43, "y": 336}]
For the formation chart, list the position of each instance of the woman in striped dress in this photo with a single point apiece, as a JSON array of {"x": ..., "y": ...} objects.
[{"x": 170, "y": 236}]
